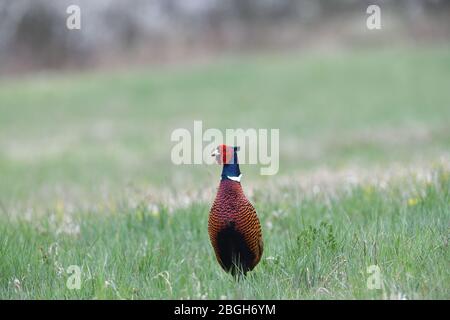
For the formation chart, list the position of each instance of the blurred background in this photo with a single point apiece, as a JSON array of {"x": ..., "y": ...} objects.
[
  {"x": 93, "y": 109},
  {"x": 33, "y": 34}
]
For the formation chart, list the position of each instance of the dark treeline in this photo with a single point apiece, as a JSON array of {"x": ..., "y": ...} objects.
[{"x": 33, "y": 33}]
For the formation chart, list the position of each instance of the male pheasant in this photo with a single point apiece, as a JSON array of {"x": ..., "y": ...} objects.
[{"x": 233, "y": 226}]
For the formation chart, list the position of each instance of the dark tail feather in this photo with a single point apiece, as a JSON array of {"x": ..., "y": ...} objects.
[{"x": 234, "y": 252}]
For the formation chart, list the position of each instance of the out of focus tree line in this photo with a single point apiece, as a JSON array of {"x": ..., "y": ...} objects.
[{"x": 33, "y": 33}]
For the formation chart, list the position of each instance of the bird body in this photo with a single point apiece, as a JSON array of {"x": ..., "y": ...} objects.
[{"x": 234, "y": 228}]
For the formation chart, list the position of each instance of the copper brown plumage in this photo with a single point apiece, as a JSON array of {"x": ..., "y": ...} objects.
[{"x": 233, "y": 226}]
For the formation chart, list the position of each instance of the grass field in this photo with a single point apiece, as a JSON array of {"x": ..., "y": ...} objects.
[{"x": 86, "y": 178}]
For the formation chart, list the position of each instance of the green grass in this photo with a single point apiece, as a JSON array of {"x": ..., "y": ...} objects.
[
  {"x": 86, "y": 178},
  {"x": 364, "y": 108},
  {"x": 316, "y": 247}
]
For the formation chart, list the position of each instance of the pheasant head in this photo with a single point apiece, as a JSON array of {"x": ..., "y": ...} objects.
[{"x": 227, "y": 156}]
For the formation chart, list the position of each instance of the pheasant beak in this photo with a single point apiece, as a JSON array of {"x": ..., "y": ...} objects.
[{"x": 215, "y": 153}]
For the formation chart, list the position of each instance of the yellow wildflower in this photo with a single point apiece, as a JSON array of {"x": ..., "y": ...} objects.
[{"x": 413, "y": 201}]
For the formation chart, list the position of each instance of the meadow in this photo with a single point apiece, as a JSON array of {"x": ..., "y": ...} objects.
[{"x": 86, "y": 178}]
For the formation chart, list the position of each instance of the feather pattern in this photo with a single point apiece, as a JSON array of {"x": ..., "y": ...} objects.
[{"x": 234, "y": 229}]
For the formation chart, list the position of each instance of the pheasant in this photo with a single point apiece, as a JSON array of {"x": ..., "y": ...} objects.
[{"x": 233, "y": 226}]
